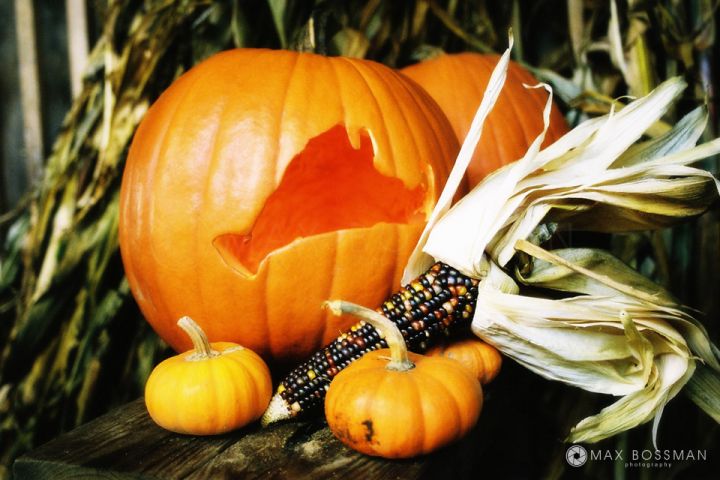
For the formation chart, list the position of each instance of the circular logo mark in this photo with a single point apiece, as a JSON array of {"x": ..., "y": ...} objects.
[{"x": 576, "y": 456}]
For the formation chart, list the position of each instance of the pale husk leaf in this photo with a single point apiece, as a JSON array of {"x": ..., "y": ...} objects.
[
  {"x": 618, "y": 346},
  {"x": 670, "y": 374},
  {"x": 596, "y": 272},
  {"x": 621, "y": 335},
  {"x": 547, "y": 274},
  {"x": 583, "y": 341},
  {"x": 576, "y": 181},
  {"x": 419, "y": 261}
]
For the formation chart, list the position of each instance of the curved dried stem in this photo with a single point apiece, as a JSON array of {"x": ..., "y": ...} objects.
[{"x": 399, "y": 359}]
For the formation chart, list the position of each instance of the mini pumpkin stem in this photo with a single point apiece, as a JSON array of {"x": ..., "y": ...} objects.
[
  {"x": 399, "y": 359},
  {"x": 198, "y": 337}
]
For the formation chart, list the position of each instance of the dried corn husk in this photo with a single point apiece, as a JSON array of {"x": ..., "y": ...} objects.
[
  {"x": 588, "y": 179},
  {"x": 620, "y": 334}
]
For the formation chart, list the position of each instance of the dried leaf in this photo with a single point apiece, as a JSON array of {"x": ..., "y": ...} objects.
[
  {"x": 576, "y": 27},
  {"x": 278, "y": 8},
  {"x": 452, "y": 25},
  {"x": 419, "y": 262},
  {"x": 671, "y": 373},
  {"x": 622, "y": 334},
  {"x": 351, "y": 43},
  {"x": 549, "y": 273},
  {"x": 685, "y": 134},
  {"x": 596, "y": 272},
  {"x": 617, "y": 51},
  {"x": 704, "y": 389},
  {"x": 574, "y": 178}
]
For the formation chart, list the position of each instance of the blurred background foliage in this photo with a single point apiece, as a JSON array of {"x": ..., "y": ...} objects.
[{"x": 72, "y": 342}]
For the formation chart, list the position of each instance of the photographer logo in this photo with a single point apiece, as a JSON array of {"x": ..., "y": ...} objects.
[{"x": 576, "y": 456}]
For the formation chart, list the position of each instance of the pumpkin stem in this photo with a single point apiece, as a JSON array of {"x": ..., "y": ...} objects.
[
  {"x": 399, "y": 359},
  {"x": 199, "y": 339}
]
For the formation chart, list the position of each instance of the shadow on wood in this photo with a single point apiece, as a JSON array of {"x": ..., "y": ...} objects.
[{"x": 126, "y": 444}]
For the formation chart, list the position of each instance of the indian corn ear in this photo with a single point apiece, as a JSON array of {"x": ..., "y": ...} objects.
[{"x": 432, "y": 307}]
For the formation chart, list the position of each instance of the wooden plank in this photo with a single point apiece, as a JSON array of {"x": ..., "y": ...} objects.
[
  {"x": 29, "y": 88},
  {"x": 77, "y": 32},
  {"x": 126, "y": 444}
]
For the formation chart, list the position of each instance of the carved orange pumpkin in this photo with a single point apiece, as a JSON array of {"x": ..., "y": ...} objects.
[
  {"x": 457, "y": 82},
  {"x": 262, "y": 183}
]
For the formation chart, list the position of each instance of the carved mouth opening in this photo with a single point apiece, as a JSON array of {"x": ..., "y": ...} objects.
[{"x": 328, "y": 186}]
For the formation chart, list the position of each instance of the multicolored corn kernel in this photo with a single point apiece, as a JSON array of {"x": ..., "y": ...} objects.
[{"x": 434, "y": 306}]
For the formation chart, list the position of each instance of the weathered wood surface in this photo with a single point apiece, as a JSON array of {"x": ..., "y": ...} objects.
[{"x": 126, "y": 444}]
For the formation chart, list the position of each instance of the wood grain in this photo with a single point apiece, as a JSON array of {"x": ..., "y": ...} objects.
[
  {"x": 29, "y": 88},
  {"x": 76, "y": 14},
  {"x": 126, "y": 444}
]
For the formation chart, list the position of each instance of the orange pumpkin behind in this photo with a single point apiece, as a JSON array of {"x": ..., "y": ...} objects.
[
  {"x": 262, "y": 183},
  {"x": 481, "y": 358},
  {"x": 457, "y": 82}
]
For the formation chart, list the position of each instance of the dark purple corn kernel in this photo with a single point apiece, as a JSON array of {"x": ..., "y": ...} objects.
[{"x": 432, "y": 307}]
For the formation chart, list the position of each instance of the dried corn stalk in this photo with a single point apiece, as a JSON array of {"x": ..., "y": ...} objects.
[
  {"x": 618, "y": 334},
  {"x": 72, "y": 342}
]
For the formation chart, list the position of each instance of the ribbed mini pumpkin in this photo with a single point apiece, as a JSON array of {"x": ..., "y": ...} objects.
[
  {"x": 396, "y": 404},
  {"x": 481, "y": 358},
  {"x": 263, "y": 182},
  {"x": 211, "y": 389},
  {"x": 457, "y": 82}
]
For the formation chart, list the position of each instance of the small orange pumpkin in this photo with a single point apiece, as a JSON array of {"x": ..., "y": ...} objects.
[
  {"x": 457, "y": 82},
  {"x": 211, "y": 389},
  {"x": 261, "y": 182},
  {"x": 402, "y": 406},
  {"x": 474, "y": 354}
]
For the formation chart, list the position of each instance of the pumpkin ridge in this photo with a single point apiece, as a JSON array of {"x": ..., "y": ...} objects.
[
  {"x": 402, "y": 115},
  {"x": 269, "y": 334},
  {"x": 243, "y": 386},
  {"x": 489, "y": 126},
  {"x": 221, "y": 378},
  {"x": 436, "y": 116},
  {"x": 527, "y": 135},
  {"x": 369, "y": 404},
  {"x": 159, "y": 162},
  {"x": 507, "y": 109},
  {"x": 212, "y": 166},
  {"x": 277, "y": 175},
  {"x": 259, "y": 365},
  {"x": 173, "y": 407},
  {"x": 491, "y": 129},
  {"x": 436, "y": 384},
  {"x": 462, "y": 414},
  {"x": 339, "y": 89},
  {"x": 417, "y": 400},
  {"x": 212, "y": 381},
  {"x": 361, "y": 75},
  {"x": 330, "y": 287},
  {"x": 456, "y": 97},
  {"x": 398, "y": 261},
  {"x": 526, "y": 77},
  {"x": 177, "y": 414}
]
